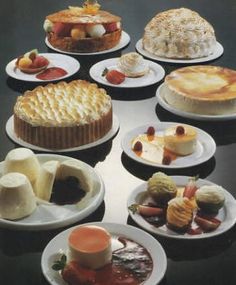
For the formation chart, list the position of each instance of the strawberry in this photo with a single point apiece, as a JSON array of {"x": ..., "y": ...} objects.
[
  {"x": 39, "y": 61},
  {"x": 190, "y": 188},
  {"x": 110, "y": 27},
  {"x": 146, "y": 211},
  {"x": 113, "y": 76},
  {"x": 62, "y": 30},
  {"x": 207, "y": 225}
]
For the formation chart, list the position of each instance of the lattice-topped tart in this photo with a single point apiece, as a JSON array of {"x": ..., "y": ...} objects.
[{"x": 63, "y": 115}]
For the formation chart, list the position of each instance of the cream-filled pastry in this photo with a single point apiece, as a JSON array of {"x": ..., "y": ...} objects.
[
  {"x": 17, "y": 199},
  {"x": 133, "y": 65},
  {"x": 180, "y": 139}
]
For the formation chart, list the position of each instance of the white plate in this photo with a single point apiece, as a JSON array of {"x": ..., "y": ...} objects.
[
  {"x": 68, "y": 63},
  {"x": 205, "y": 147},
  {"x": 125, "y": 39},
  {"x": 59, "y": 243},
  {"x": 155, "y": 74},
  {"x": 217, "y": 53},
  {"x": 10, "y": 132},
  {"x": 53, "y": 216},
  {"x": 161, "y": 100},
  {"x": 227, "y": 214}
]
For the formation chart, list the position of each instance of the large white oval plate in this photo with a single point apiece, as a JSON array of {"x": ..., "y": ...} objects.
[
  {"x": 10, "y": 132},
  {"x": 217, "y": 53},
  {"x": 205, "y": 147},
  {"x": 59, "y": 243},
  {"x": 161, "y": 100},
  {"x": 227, "y": 214},
  {"x": 155, "y": 74},
  {"x": 125, "y": 39},
  {"x": 68, "y": 63},
  {"x": 53, "y": 216}
]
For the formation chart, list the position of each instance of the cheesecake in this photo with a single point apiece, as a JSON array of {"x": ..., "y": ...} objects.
[
  {"x": 17, "y": 199},
  {"x": 90, "y": 246},
  {"x": 179, "y": 33},
  {"x": 201, "y": 89}
]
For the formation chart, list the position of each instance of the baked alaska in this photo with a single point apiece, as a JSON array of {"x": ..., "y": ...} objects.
[
  {"x": 179, "y": 33},
  {"x": 201, "y": 89},
  {"x": 83, "y": 29},
  {"x": 63, "y": 115}
]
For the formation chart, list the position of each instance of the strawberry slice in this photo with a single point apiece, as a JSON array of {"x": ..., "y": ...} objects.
[
  {"x": 62, "y": 30},
  {"x": 110, "y": 27},
  {"x": 207, "y": 225},
  {"x": 191, "y": 187},
  {"x": 146, "y": 211},
  {"x": 114, "y": 76}
]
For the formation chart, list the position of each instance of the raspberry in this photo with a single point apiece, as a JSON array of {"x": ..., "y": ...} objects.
[{"x": 179, "y": 131}]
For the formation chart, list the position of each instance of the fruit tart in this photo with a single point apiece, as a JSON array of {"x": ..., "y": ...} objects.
[{"x": 83, "y": 29}]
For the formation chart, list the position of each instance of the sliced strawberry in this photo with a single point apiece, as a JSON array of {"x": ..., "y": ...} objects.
[
  {"x": 146, "y": 211},
  {"x": 115, "y": 77},
  {"x": 190, "y": 188},
  {"x": 39, "y": 61},
  {"x": 110, "y": 27},
  {"x": 207, "y": 225},
  {"x": 74, "y": 274},
  {"x": 62, "y": 30}
]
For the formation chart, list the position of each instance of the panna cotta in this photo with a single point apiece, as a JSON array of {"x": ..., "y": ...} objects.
[
  {"x": 17, "y": 199},
  {"x": 133, "y": 65},
  {"x": 90, "y": 246},
  {"x": 24, "y": 161},
  {"x": 180, "y": 139}
]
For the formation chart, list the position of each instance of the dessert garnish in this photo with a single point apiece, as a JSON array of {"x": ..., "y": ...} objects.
[
  {"x": 180, "y": 130},
  {"x": 166, "y": 160},
  {"x": 138, "y": 146},
  {"x": 182, "y": 211},
  {"x": 113, "y": 76},
  {"x": 31, "y": 62},
  {"x": 150, "y": 131}
]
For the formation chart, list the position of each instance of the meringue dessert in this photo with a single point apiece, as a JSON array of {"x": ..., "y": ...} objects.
[
  {"x": 133, "y": 65},
  {"x": 179, "y": 33},
  {"x": 180, "y": 140},
  {"x": 179, "y": 214},
  {"x": 17, "y": 199},
  {"x": 90, "y": 246},
  {"x": 24, "y": 161},
  {"x": 201, "y": 89},
  {"x": 210, "y": 198},
  {"x": 161, "y": 188}
]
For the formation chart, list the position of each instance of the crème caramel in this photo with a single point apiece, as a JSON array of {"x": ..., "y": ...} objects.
[
  {"x": 63, "y": 115},
  {"x": 207, "y": 90}
]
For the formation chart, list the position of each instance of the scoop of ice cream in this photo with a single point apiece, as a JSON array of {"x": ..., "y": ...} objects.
[
  {"x": 24, "y": 161},
  {"x": 133, "y": 65},
  {"x": 161, "y": 188},
  {"x": 17, "y": 198}
]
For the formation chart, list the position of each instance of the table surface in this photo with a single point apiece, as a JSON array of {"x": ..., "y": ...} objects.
[{"x": 208, "y": 261}]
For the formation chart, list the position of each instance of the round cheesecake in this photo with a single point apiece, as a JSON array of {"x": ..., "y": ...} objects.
[
  {"x": 183, "y": 143},
  {"x": 83, "y": 29},
  {"x": 63, "y": 115},
  {"x": 201, "y": 89},
  {"x": 90, "y": 246},
  {"x": 179, "y": 33}
]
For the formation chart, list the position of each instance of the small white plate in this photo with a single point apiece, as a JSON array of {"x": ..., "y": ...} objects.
[
  {"x": 155, "y": 74},
  {"x": 161, "y": 100},
  {"x": 217, "y": 53},
  {"x": 53, "y": 216},
  {"x": 205, "y": 147},
  {"x": 10, "y": 132},
  {"x": 227, "y": 214},
  {"x": 59, "y": 243},
  {"x": 125, "y": 39},
  {"x": 68, "y": 63}
]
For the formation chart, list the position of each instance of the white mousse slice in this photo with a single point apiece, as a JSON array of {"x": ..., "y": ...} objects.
[
  {"x": 44, "y": 183},
  {"x": 90, "y": 246},
  {"x": 180, "y": 144},
  {"x": 17, "y": 199},
  {"x": 24, "y": 161}
]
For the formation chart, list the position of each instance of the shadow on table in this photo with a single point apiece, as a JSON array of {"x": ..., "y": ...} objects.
[
  {"x": 144, "y": 172},
  {"x": 223, "y": 132},
  {"x": 194, "y": 249}
]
